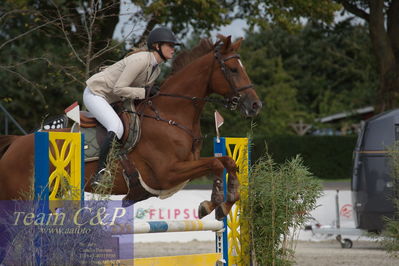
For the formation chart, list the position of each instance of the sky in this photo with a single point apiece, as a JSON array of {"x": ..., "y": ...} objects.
[
  {"x": 124, "y": 27},
  {"x": 235, "y": 29}
]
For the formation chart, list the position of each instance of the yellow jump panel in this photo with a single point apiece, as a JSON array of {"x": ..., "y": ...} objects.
[{"x": 192, "y": 260}]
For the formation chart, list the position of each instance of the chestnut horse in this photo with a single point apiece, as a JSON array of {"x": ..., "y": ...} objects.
[{"x": 168, "y": 154}]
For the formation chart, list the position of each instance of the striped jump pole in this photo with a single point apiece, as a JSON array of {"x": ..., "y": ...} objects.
[
  {"x": 172, "y": 226},
  {"x": 144, "y": 227}
]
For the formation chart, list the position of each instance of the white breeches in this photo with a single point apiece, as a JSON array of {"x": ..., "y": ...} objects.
[{"x": 103, "y": 112}]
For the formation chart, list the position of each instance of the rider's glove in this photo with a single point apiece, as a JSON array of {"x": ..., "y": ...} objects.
[{"x": 151, "y": 90}]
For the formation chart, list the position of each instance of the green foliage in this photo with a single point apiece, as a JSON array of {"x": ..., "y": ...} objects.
[
  {"x": 43, "y": 60},
  {"x": 198, "y": 15},
  {"x": 379, "y": 16},
  {"x": 287, "y": 13},
  {"x": 331, "y": 67},
  {"x": 280, "y": 198},
  {"x": 328, "y": 157},
  {"x": 275, "y": 87}
]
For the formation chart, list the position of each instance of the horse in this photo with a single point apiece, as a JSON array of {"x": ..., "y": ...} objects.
[{"x": 168, "y": 153}]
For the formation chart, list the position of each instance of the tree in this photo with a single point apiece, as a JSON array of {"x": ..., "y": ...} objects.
[
  {"x": 276, "y": 88},
  {"x": 382, "y": 18},
  {"x": 49, "y": 48},
  {"x": 289, "y": 14},
  {"x": 315, "y": 71},
  {"x": 333, "y": 67}
]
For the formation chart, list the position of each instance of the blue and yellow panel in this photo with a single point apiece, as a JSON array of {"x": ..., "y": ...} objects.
[
  {"x": 59, "y": 166},
  {"x": 236, "y": 237}
]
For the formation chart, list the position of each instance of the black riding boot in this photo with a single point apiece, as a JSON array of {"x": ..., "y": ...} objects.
[{"x": 102, "y": 160}]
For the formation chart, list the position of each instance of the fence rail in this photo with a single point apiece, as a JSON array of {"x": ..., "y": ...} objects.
[{"x": 8, "y": 118}]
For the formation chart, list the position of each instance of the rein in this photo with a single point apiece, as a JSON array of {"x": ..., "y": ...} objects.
[{"x": 195, "y": 100}]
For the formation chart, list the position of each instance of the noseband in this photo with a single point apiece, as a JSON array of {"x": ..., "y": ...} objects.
[{"x": 232, "y": 101}]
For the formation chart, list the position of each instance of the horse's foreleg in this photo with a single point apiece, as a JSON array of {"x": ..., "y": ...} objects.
[
  {"x": 217, "y": 197},
  {"x": 233, "y": 186}
]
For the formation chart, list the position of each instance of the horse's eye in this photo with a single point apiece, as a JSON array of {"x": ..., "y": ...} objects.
[{"x": 234, "y": 70}]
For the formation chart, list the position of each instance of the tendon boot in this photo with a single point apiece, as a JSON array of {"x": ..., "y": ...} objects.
[{"x": 96, "y": 181}]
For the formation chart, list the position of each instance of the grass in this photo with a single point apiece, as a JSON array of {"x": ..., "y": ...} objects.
[{"x": 206, "y": 180}]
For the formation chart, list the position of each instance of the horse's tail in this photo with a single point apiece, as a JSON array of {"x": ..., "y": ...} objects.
[{"x": 5, "y": 142}]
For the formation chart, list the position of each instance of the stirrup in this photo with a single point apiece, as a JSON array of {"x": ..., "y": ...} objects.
[{"x": 96, "y": 182}]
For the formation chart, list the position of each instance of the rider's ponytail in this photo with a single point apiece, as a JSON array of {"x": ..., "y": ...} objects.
[{"x": 135, "y": 50}]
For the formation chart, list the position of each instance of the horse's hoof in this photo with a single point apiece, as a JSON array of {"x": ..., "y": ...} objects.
[
  {"x": 217, "y": 198},
  {"x": 219, "y": 213},
  {"x": 203, "y": 209},
  {"x": 126, "y": 203}
]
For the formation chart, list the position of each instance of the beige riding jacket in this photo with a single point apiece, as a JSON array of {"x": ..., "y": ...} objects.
[{"x": 125, "y": 78}]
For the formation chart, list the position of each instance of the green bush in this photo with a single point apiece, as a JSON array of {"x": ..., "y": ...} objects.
[
  {"x": 328, "y": 157},
  {"x": 280, "y": 200}
]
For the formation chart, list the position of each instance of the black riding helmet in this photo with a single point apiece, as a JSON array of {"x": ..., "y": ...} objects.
[{"x": 161, "y": 35}]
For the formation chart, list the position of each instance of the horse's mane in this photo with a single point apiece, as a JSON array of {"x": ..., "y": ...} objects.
[{"x": 186, "y": 57}]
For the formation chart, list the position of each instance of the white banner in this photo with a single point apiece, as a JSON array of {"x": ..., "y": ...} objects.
[{"x": 184, "y": 205}]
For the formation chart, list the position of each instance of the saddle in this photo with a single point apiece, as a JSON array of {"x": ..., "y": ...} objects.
[
  {"x": 95, "y": 134},
  {"x": 87, "y": 121}
]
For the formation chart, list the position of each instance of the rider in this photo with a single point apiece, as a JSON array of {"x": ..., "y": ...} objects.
[{"x": 131, "y": 78}]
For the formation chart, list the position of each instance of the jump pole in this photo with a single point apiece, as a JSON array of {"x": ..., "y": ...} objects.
[{"x": 172, "y": 226}]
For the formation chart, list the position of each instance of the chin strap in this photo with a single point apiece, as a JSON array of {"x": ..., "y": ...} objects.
[{"x": 159, "y": 51}]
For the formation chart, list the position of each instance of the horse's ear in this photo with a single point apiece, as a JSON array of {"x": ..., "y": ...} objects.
[
  {"x": 221, "y": 37},
  {"x": 206, "y": 43},
  {"x": 226, "y": 44},
  {"x": 236, "y": 45}
]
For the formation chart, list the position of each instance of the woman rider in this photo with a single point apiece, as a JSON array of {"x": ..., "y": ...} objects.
[{"x": 127, "y": 78}]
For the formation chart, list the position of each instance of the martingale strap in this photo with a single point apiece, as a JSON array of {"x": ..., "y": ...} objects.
[{"x": 196, "y": 140}]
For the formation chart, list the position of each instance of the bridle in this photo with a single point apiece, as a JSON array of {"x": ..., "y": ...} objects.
[
  {"x": 227, "y": 72},
  {"x": 228, "y": 102}
]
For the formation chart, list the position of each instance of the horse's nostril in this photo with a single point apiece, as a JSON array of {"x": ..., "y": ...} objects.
[{"x": 256, "y": 105}]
